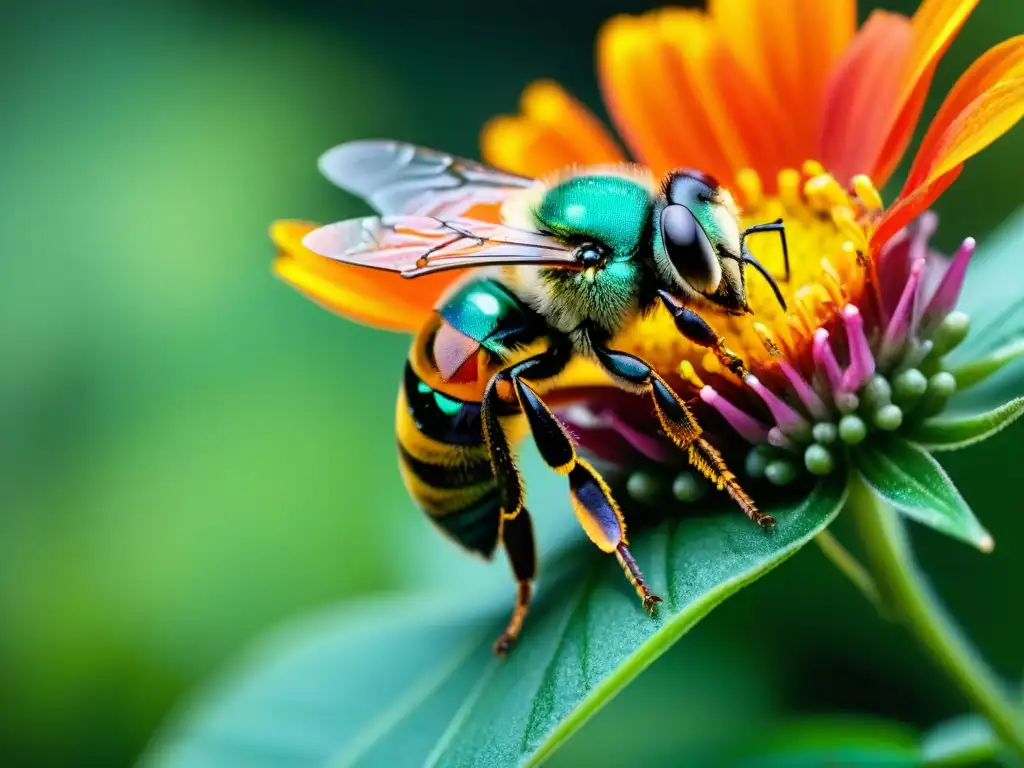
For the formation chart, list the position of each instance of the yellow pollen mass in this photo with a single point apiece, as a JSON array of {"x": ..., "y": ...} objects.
[{"x": 828, "y": 229}]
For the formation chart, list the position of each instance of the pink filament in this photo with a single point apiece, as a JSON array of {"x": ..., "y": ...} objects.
[
  {"x": 787, "y": 418},
  {"x": 945, "y": 297},
  {"x": 814, "y": 404},
  {"x": 862, "y": 360},
  {"x": 900, "y": 324},
  {"x": 749, "y": 428},
  {"x": 824, "y": 358}
]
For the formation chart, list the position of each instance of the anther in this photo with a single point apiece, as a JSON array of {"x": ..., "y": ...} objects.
[
  {"x": 812, "y": 168},
  {"x": 749, "y": 184},
  {"x": 824, "y": 193},
  {"x": 767, "y": 339},
  {"x": 844, "y": 220},
  {"x": 832, "y": 283},
  {"x": 866, "y": 193},
  {"x": 689, "y": 374},
  {"x": 789, "y": 189}
]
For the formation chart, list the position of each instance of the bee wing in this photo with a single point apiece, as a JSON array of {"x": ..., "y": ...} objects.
[
  {"x": 402, "y": 179},
  {"x": 421, "y": 245}
]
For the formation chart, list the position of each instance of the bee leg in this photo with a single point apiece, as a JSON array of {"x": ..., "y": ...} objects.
[
  {"x": 592, "y": 500},
  {"x": 517, "y": 536},
  {"x": 634, "y": 374},
  {"x": 599, "y": 514},
  {"x": 696, "y": 329},
  {"x": 501, "y": 398}
]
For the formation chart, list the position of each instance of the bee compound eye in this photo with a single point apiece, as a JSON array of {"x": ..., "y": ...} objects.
[{"x": 689, "y": 249}]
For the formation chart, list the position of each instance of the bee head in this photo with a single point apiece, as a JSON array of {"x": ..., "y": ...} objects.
[{"x": 699, "y": 249}]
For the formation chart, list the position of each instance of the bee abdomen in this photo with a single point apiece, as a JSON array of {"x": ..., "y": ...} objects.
[{"x": 445, "y": 464}]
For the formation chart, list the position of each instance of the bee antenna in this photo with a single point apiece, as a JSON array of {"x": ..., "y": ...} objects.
[{"x": 748, "y": 258}]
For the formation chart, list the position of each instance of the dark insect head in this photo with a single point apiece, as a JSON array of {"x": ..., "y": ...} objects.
[{"x": 705, "y": 250}]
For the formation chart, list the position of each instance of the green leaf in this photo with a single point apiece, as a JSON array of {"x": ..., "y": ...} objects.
[
  {"x": 966, "y": 740},
  {"x": 975, "y": 371},
  {"x": 400, "y": 685},
  {"x": 953, "y": 430},
  {"x": 995, "y": 303},
  {"x": 835, "y": 740},
  {"x": 912, "y": 481}
]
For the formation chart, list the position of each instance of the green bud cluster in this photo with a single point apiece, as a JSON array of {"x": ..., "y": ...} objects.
[{"x": 909, "y": 390}]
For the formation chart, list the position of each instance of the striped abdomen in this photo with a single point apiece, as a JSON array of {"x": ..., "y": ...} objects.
[{"x": 442, "y": 454}]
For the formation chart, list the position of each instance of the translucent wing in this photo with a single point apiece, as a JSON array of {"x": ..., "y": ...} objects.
[
  {"x": 399, "y": 178},
  {"x": 420, "y": 245}
]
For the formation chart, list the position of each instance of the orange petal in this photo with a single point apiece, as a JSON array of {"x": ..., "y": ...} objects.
[
  {"x": 789, "y": 48},
  {"x": 553, "y": 131},
  {"x": 372, "y": 297},
  {"x": 860, "y": 95},
  {"x": 658, "y": 73},
  {"x": 935, "y": 25},
  {"x": 1003, "y": 62},
  {"x": 981, "y": 122}
]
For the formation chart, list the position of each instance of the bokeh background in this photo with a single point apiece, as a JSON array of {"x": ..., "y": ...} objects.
[{"x": 190, "y": 453}]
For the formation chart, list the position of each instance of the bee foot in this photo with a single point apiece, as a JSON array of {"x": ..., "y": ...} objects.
[
  {"x": 503, "y": 645},
  {"x": 650, "y": 601}
]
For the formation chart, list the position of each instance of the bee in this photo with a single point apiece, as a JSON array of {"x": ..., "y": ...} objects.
[{"x": 543, "y": 272}]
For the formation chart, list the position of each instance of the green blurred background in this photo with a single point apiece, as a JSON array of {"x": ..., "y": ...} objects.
[{"x": 189, "y": 456}]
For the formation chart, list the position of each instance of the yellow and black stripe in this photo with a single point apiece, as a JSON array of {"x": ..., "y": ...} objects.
[{"x": 442, "y": 454}]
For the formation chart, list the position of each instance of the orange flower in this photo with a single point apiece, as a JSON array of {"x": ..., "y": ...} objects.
[
  {"x": 766, "y": 86},
  {"x": 806, "y": 116}
]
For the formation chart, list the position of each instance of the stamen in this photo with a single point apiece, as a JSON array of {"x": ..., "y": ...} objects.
[
  {"x": 824, "y": 193},
  {"x": 749, "y": 184},
  {"x": 812, "y": 168},
  {"x": 689, "y": 374},
  {"x": 866, "y": 193},
  {"x": 645, "y": 443},
  {"x": 845, "y": 222},
  {"x": 899, "y": 325},
  {"x": 814, "y": 404},
  {"x": 789, "y": 421},
  {"x": 767, "y": 339},
  {"x": 710, "y": 363},
  {"x": 749, "y": 428},
  {"x": 862, "y": 361},
  {"x": 946, "y": 295},
  {"x": 832, "y": 283},
  {"x": 789, "y": 189},
  {"x": 826, "y": 361}
]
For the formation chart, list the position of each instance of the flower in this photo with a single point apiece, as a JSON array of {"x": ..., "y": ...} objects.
[{"x": 807, "y": 117}]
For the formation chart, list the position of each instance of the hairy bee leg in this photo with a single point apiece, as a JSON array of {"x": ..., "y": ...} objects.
[
  {"x": 517, "y": 536},
  {"x": 634, "y": 374},
  {"x": 544, "y": 365},
  {"x": 697, "y": 330},
  {"x": 510, "y": 484},
  {"x": 601, "y": 519},
  {"x": 592, "y": 500}
]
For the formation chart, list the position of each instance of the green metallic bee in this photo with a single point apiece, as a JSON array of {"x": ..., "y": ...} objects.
[{"x": 550, "y": 271}]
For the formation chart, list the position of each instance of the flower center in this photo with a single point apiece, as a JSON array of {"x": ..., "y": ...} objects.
[{"x": 827, "y": 232}]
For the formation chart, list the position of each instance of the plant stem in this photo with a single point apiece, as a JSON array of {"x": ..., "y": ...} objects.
[
  {"x": 848, "y": 566},
  {"x": 904, "y": 589}
]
